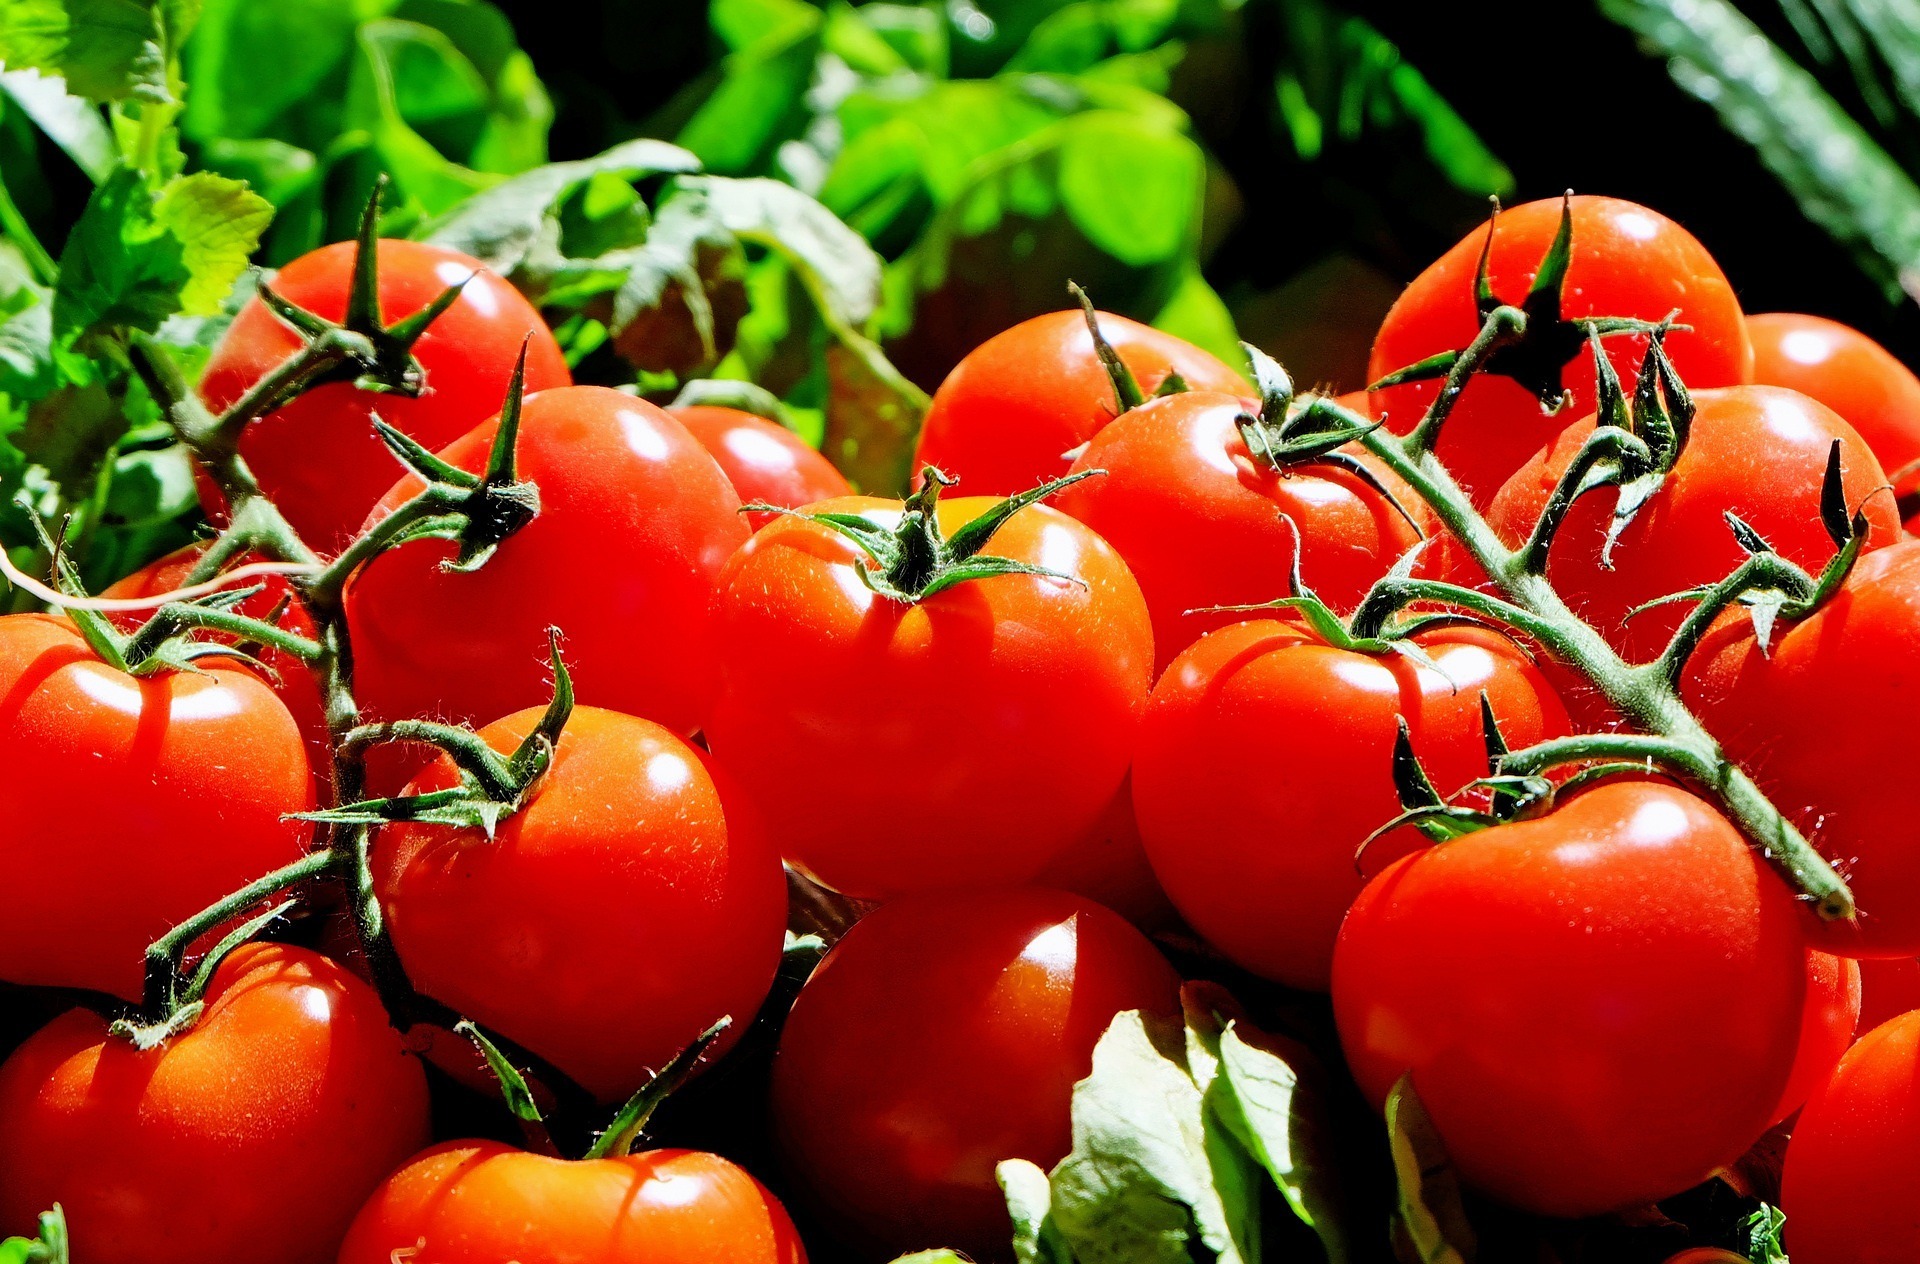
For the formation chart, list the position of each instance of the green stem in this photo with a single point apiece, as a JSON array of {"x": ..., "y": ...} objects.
[
  {"x": 325, "y": 588},
  {"x": 465, "y": 747},
  {"x": 16, "y": 230},
  {"x": 1503, "y": 325}
]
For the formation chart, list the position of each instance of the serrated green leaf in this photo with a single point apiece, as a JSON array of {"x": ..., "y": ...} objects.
[
  {"x": 1430, "y": 1224},
  {"x": 119, "y": 267},
  {"x": 1842, "y": 179},
  {"x": 218, "y": 222},
  {"x": 103, "y": 48}
]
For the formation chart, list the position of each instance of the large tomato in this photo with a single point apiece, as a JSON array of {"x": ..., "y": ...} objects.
[
  {"x": 1009, "y": 415},
  {"x": 943, "y": 1034},
  {"x": 131, "y": 803},
  {"x": 1756, "y": 451},
  {"x": 1108, "y": 864},
  {"x": 290, "y": 677},
  {"x": 1848, "y": 372},
  {"x": 1854, "y": 1160},
  {"x": 1889, "y": 987},
  {"x": 968, "y": 736},
  {"x": 630, "y": 904},
  {"x": 318, "y": 456},
  {"x": 251, "y": 1138},
  {"x": 1806, "y": 718},
  {"x": 1626, "y": 261},
  {"x": 481, "y": 1202},
  {"x": 1261, "y": 859},
  {"x": 1599, "y": 1007},
  {"x": 763, "y": 460},
  {"x": 1198, "y": 517},
  {"x": 635, "y": 522}
]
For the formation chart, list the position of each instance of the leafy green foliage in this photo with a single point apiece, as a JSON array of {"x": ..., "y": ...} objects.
[
  {"x": 50, "y": 1247},
  {"x": 1430, "y": 1224}
]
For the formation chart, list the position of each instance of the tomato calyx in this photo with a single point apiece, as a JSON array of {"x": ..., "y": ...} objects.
[
  {"x": 915, "y": 559},
  {"x": 1128, "y": 394},
  {"x": 492, "y": 787},
  {"x": 1544, "y": 342}
]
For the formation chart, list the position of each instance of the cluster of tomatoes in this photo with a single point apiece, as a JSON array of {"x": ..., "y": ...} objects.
[{"x": 1022, "y": 720}]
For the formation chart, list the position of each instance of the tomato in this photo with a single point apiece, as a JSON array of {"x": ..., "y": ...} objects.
[
  {"x": 1626, "y": 261},
  {"x": 628, "y": 906},
  {"x": 1598, "y": 1007},
  {"x": 1707, "y": 1255},
  {"x": 1889, "y": 987},
  {"x": 1108, "y": 864},
  {"x": 318, "y": 456},
  {"x": 131, "y": 804},
  {"x": 1854, "y": 1159},
  {"x": 291, "y": 678},
  {"x": 1807, "y": 718},
  {"x": 965, "y": 737},
  {"x": 1826, "y": 1027},
  {"x": 1198, "y": 517},
  {"x": 1848, "y": 372},
  {"x": 1009, "y": 415},
  {"x": 943, "y": 1034},
  {"x": 1756, "y": 451},
  {"x": 1262, "y": 864},
  {"x": 763, "y": 460},
  {"x": 251, "y": 1138},
  {"x": 635, "y": 522},
  {"x": 481, "y": 1202}
]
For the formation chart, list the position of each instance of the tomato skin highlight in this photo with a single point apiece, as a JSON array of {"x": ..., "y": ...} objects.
[
  {"x": 1802, "y": 719},
  {"x": 250, "y": 1139},
  {"x": 1848, "y": 372},
  {"x": 1826, "y": 1028},
  {"x": 318, "y": 456},
  {"x": 1757, "y": 451},
  {"x": 635, "y": 522},
  {"x": 966, "y": 738},
  {"x": 632, "y": 903},
  {"x": 1259, "y": 856},
  {"x": 763, "y": 459},
  {"x": 481, "y": 1202},
  {"x": 1598, "y": 1007},
  {"x": 943, "y": 1034},
  {"x": 296, "y": 686},
  {"x": 164, "y": 793},
  {"x": 1854, "y": 1159},
  {"x": 1627, "y": 260},
  {"x": 1004, "y": 420},
  {"x": 1199, "y": 519}
]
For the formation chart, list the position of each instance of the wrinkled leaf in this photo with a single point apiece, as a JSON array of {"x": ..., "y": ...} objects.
[
  {"x": 218, "y": 223},
  {"x": 1280, "y": 1120},
  {"x": 1430, "y": 1224},
  {"x": 1036, "y": 1239},
  {"x": 119, "y": 266}
]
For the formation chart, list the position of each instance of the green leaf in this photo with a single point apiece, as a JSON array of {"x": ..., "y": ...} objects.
[
  {"x": 1140, "y": 1184},
  {"x": 71, "y": 122},
  {"x": 244, "y": 81},
  {"x": 27, "y": 366},
  {"x": 218, "y": 222},
  {"x": 1842, "y": 179},
  {"x": 103, "y": 48},
  {"x": 501, "y": 225},
  {"x": 1281, "y": 1123},
  {"x": 1196, "y": 313},
  {"x": 841, "y": 272},
  {"x": 941, "y": 1256},
  {"x": 1134, "y": 189},
  {"x": 119, "y": 266},
  {"x": 759, "y": 99},
  {"x": 1036, "y": 1239},
  {"x": 1430, "y": 1224}
]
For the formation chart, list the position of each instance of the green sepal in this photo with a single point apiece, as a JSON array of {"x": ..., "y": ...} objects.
[
  {"x": 1127, "y": 394},
  {"x": 1422, "y": 805},
  {"x": 1434, "y": 366},
  {"x": 624, "y": 1132},
  {"x": 513, "y": 1085}
]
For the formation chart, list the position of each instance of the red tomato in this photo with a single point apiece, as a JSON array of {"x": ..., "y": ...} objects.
[
  {"x": 1198, "y": 517},
  {"x": 635, "y": 521},
  {"x": 481, "y": 1202},
  {"x": 1889, "y": 987},
  {"x": 296, "y": 685},
  {"x": 1009, "y": 415},
  {"x": 1626, "y": 261},
  {"x": 1109, "y": 866},
  {"x": 1854, "y": 1160},
  {"x": 131, "y": 804},
  {"x": 1806, "y": 719},
  {"x": 318, "y": 457},
  {"x": 251, "y": 1138},
  {"x": 943, "y": 1034},
  {"x": 1757, "y": 451},
  {"x": 1598, "y": 1007},
  {"x": 1826, "y": 1027},
  {"x": 763, "y": 459},
  {"x": 1707, "y": 1255},
  {"x": 628, "y": 906},
  {"x": 963, "y": 738},
  {"x": 1263, "y": 865},
  {"x": 1848, "y": 372}
]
